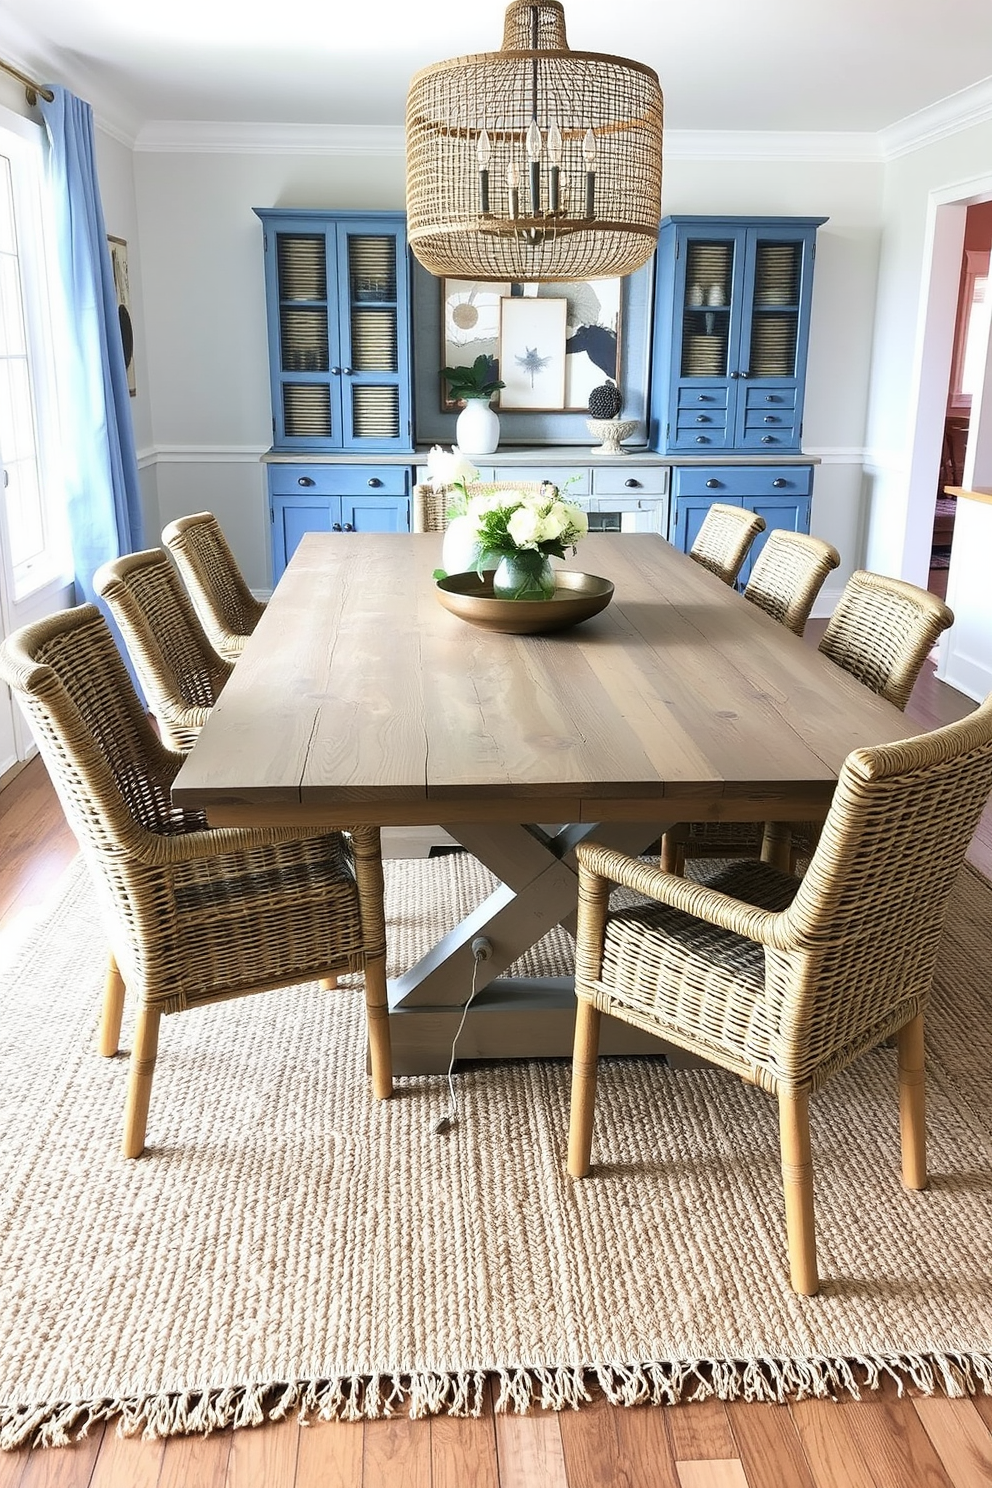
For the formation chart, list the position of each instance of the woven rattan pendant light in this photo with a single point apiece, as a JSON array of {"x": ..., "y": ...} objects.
[{"x": 534, "y": 162}]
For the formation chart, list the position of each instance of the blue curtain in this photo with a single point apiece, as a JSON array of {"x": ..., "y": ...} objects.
[{"x": 104, "y": 504}]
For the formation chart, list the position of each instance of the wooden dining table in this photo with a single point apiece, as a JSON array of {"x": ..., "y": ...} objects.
[{"x": 359, "y": 698}]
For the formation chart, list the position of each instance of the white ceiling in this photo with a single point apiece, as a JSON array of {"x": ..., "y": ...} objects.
[{"x": 784, "y": 65}]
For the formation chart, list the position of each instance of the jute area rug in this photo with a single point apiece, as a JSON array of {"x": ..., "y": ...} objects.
[{"x": 289, "y": 1245}]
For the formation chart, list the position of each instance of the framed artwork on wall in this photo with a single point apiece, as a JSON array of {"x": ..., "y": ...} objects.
[
  {"x": 470, "y": 312},
  {"x": 532, "y": 352},
  {"x": 118, "y": 261}
]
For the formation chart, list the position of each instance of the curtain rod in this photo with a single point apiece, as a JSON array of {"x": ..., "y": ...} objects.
[{"x": 31, "y": 88}]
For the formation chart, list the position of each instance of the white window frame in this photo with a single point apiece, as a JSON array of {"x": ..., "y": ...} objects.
[{"x": 23, "y": 143}]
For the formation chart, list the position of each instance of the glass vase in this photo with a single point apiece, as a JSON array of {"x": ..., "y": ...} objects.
[{"x": 526, "y": 574}]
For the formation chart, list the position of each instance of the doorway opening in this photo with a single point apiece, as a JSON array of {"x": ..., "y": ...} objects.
[{"x": 971, "y": 340}]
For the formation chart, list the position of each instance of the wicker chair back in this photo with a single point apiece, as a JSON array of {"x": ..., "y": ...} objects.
[
  {"x": 227, "y": 609},
  {"x": 788, "y": 574},
  {"x": 882, "y": 632},
  {"x": 180, "y": 671},
  {"x": 724, "y": 540}
]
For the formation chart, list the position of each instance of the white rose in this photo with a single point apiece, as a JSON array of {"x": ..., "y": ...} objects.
[
  {"x": 525, "y": 527},
  {"x": 555, "y": 521}
]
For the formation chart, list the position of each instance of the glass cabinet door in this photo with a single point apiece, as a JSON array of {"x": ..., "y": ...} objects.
[
  {"x": 370, "y": 310},
  {"x": 338, "y": 309},
  {"x": 772, "y": 304},
  {"x": 710, "y": 266},
  {"x": 305, "y": 332}
]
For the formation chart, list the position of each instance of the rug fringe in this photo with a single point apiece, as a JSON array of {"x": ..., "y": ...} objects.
[{"x": 358, "y": 1398}]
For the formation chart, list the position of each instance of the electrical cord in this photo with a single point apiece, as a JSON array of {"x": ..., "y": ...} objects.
[{"x": 481, "y": 951}]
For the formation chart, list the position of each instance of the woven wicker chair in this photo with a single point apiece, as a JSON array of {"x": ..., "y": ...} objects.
[
  {"x": 180, "y": 671},
  {"x": 192, "y": 915},
  {"x": 227, "y": 609},
  {"x": 881, "y": 632},
  {"x": 785, "y": 981},
  {"x": 788, "y": 574},
  {"x": 430, "y": 505},
  {"x": 724, "y": 540}
]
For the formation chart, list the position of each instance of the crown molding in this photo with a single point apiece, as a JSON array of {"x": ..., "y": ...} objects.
[
  {"x": 767, "y": 144},
  {"x": 946, "y": 117},
  {"x": 182, "y": 137}
]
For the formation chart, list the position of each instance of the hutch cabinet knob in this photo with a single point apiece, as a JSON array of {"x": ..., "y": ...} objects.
[
  {"x": 306, "y": 480},
  {"x": 735, "y": 374},
  {"x": 348, "y": 527},
  {"x": 345, "y": 371},
  {"x": 778, "y": 484},
  {"x": 767, "y": 439},
  {"x": 375, "y": 481},
  {"x": 702, "y": 418},
  {"x": 711, "y": 485},
  {"x": 335, "y": 526},
  {"x": 701, "y": 439},
  {"x": 632, "y": 483},
  {"x": 335, "y": 371},
  {"x": 743, "y": 374}
]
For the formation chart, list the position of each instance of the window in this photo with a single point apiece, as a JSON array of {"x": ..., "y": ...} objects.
[
  {"x": 32, "y": 530},
  {"x": 971, "y": 335}
]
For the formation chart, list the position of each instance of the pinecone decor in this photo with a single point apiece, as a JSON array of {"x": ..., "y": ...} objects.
[{"x": 605, "y": 401}]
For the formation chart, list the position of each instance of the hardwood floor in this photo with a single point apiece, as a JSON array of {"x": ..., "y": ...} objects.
[{"x": 883, "y": 1441}]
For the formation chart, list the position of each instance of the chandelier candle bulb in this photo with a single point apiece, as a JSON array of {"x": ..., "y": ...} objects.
[
  {"x": 534, "y": 156},
  {"x": 513, "y": 186},
  {"x": 484, "y": 154},
  {"x": 589, "y": 156},
  {"x": 554, "y": 156}
]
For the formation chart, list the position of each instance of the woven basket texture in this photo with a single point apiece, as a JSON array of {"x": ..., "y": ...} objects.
[
  {"x": 181, "y": 673},
  {"x": 724, "y": 540},
  {"x": 226, "y": 607}
]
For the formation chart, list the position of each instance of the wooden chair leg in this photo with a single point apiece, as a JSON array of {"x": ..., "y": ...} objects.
[
  {"x": 585, "y": 1059},
  {"x": 912, "y": 1104},
  {"x": 139, "y": 1089},
  {"x": 776, "y": 845},
  {"x": 330, "y": 983},
  {"x": 377, "y": 1015},
  {"x": 797, "y": 1185},
  {"x": 108, "y": 1040},
  {"x": 672, "y": 856}
]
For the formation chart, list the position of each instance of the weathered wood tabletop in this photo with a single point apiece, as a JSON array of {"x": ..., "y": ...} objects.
[{"x": 359, "y": 698}]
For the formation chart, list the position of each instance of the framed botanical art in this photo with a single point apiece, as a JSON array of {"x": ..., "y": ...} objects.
[
  {"x": 470, "y": 328},
  {"x": 532, "y": 352}
]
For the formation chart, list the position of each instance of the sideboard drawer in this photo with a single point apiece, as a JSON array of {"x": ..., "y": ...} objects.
[
  {"x": 339, "y": 480},
  {"x": 558, "y": 475},
  {"x": 721, "y": 482},
  {"x": 630, "y": 480}
]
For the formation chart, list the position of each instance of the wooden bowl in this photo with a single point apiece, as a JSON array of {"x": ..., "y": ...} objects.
[{"x": 577, "y": 597}]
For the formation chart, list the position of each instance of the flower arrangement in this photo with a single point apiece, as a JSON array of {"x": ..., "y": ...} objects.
[
  {"x": 524, "y": 531},
  {"x": 512, "y": 522}
]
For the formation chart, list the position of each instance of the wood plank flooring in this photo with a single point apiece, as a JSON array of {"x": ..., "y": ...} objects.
[{"x": 884, "y": 1441}]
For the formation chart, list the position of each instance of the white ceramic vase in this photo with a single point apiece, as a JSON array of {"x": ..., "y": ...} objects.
[{"x": 477, "y": 428}]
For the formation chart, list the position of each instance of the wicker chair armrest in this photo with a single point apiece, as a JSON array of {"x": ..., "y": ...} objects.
[
  {"x": 760, "y": 925},
  {"x": 163, "y": 851}
]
